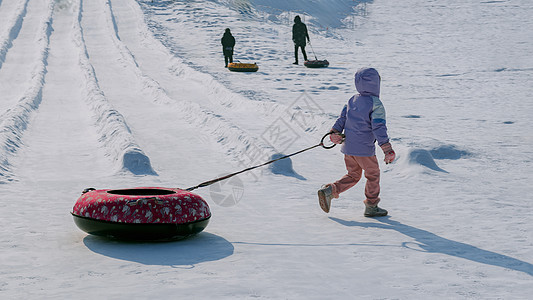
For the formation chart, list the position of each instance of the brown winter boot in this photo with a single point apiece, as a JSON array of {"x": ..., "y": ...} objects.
[
  {"x": 325, "y": 194},
  {"x": 374, "y": 211}
]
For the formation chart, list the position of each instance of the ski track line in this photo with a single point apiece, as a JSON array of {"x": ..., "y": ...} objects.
[
  {"x": 115, "y": 135},
  {"x": 235, "y": 140},
  {"x": 12, "y": 29},
  {"x": 15, "y": 121}
]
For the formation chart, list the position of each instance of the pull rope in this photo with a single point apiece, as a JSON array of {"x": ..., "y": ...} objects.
[
  {"x": 210, "y": 182},
  {"x": 312, "y": 49}
]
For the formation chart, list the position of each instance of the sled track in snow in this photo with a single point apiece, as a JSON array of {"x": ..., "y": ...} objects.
[
  {"x": 114, "y": 132},
  {"x": 12, "y": 29},
  {"x": 15, "y": 121},
  {"x": 115, "y": 135},
  {"x": 216, "y": 80},
  {"x": 235, "y": 140}
]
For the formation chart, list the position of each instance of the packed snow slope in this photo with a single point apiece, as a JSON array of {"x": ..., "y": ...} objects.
[{"x": 124, "y": 93}]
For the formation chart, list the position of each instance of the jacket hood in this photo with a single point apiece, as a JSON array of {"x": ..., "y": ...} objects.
[
  {"x": 297, "y": 19},
  {"x": 367, "y": 82}
]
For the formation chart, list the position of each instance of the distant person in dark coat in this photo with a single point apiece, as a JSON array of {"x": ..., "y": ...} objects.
[
  {"x": 228, "y": 42},
  {"x": 299, "y": 36}
]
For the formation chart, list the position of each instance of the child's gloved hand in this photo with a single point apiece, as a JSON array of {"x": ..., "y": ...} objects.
[
  {"x": 336, "y": 137},
  {"x": 390, "y": 155}
]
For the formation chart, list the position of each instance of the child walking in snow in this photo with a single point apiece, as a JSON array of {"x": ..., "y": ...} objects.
[{"x": 363, "y": 122}]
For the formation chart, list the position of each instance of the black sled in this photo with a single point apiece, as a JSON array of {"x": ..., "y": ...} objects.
[{"x": 316, "y": 63}]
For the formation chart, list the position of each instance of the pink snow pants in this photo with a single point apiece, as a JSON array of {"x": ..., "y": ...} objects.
[{"x": 355, "y": 166}]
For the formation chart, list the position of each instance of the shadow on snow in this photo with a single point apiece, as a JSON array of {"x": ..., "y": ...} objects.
[
  {"x": 432, "y": 243},
  {"x": 188, "y": 252}
]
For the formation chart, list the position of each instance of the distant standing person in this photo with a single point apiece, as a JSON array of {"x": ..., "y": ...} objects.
[
  {"x": 228, "y": 42},
  {"x": 299, "y": 36}
]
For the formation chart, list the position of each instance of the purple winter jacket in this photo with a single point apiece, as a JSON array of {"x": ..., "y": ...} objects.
[{"x": 363, "y": 118}]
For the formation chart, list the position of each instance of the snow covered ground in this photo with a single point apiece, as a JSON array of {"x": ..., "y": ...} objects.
[{"x": 124, "y": 93}]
